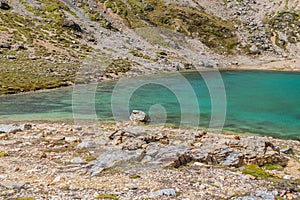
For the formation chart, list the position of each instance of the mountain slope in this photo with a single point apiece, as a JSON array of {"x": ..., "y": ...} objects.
[{"x": 46, "y": 44}]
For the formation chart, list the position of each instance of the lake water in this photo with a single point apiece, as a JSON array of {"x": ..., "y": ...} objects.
[{"x": 255, "y": 102}]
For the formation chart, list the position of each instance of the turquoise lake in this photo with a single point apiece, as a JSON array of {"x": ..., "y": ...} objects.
[{"x": 252, "y": 102}]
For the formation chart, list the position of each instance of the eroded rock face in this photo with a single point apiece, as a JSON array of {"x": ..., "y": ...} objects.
[
  {"x": 235, "y": 153},
  {"x": 160, "y": 151}
]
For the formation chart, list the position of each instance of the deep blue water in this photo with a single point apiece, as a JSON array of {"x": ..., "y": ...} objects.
[{"x": 257, "y": 102}]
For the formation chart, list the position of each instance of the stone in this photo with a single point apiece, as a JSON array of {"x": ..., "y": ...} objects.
[
  {"x": 12, "y": 185},
  {"x": 20, "y": 47},
  {"x": 138, "y": 116},
  {"x": 164, "y": 192},
  {"x": 72, "y": 139},
  {"x": 77, "y": 160},
  {"x": 11, "y": 57},
  {"x": 114, "y": 158},
  {"x": 287, "y": 177},
  {"x": 11, "y": 128},
  {"x": 170, "y": 156},
  {"x": 55, "y": 138},
  {"x": 287, "y": 151},
  {"x": 86, "y": 144},
  {"x": 4, "y": 5},
  {"x": 5, "y": 46},
  {"x": 71, "y": 24}
]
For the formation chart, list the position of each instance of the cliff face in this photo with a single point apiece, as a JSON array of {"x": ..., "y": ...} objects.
[{"x": 46, "y": 44}]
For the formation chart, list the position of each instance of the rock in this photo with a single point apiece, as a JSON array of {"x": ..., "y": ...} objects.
[
  {"x": 72, "y": 139},
  {"x": 108, "y": 24},
  {"x": 287, "y": 151},
  {"x": 164, "y": 192},
  {"x": 214, "y": 154},
  {"x": 170, "y": 156},
  {"x": 20, "y": 47},
  {"x": 3, "y": 136},
  {"x": 114, "y": 158},
  {"x": 12, "y": 185},
  {"x": 138, "y": 116},
  {"x": 86, "y": 144},
  {"x": 148, "y": 7},
  {"x": 12, "y": 128},
  {"x": 77, "y": 160},
  {"x": 235, "y": 153},
  {"x": 257, "y": 195},
  {"x": 254, "y": 50},
  {"x": 4, "y": 5},
  {"x": 287, "y": 177},
  {"x": 55, "y": 138},
  {"x": 207, "y": 64},
  {"x": 71, "y": 24},
  {"x": 11, "y": 57},
  {"x": 5, "y": 46}
]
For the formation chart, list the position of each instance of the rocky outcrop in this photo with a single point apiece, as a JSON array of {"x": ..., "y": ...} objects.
[
  {"x": 235, "y": 153},
  {"x": 160, "y": 150}
]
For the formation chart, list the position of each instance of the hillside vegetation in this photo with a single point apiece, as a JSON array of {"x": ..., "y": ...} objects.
[{"x": 48, "y": 44}]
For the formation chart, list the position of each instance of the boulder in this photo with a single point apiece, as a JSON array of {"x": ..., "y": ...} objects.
[
  {"x": 4, "y": 5},
  {"x": 12, "y": 128},
  {"x": 114, "y": 158},
  {"x": 5, "y": 46},
  {"x": 138, "y": 116},
  {"x": 71, "y": 24}
]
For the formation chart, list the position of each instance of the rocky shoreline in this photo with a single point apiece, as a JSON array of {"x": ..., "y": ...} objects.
[{"x": 129, "y": 160}]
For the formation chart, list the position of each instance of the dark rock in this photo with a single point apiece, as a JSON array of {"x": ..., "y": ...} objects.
[
  {"x": 148, "y": 7},
  {"x": 5, "y": 46},
  {"x": 71, "y": 24},
  {"x": 20, "y": 47},
  {"x": 281, "y": 42},
  {"x": 138, "y": 116},
  {"x": 4, "y": 5},
  {"x": 108, "y": 24},
  {"x": 287, "y": 151}
]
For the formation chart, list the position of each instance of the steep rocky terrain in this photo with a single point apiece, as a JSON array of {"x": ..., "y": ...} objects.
[{"x": 47, "y": 44}]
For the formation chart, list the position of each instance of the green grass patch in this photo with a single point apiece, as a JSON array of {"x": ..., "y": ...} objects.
[
  {"x": 272, "y": 167},
  {"x": 256, "y": 171},
  {"x": 3, "y": 154},
  {"x": 108, "y": 196},
  {"x": 214, "y": 32}
]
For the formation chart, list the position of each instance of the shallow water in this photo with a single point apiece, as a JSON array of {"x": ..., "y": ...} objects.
[{"x": 259, "y": 102}]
